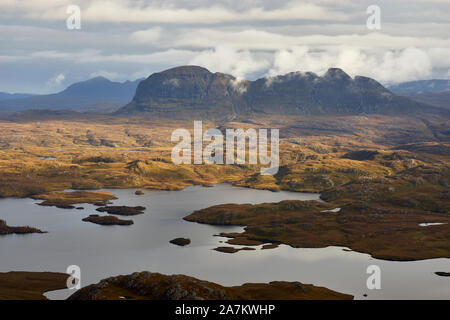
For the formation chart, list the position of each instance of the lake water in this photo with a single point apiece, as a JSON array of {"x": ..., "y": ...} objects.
[{"x": 103, "y": 251}]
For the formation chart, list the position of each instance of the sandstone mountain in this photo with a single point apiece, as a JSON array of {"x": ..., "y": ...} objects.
[{"x": 195, "y": 92}]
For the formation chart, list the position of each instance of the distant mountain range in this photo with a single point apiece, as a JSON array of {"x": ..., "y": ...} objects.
[
  {"x": 12, "y": 96},
  {"x": 188, "y": 92},
  {"x": 434, "y": 92},
  {"x": 195, "y": 92},
  {"x": 95, "y": 95},
  {"x": 420, "y": 86}
]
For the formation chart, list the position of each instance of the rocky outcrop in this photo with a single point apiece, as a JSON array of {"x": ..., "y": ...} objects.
[
  {"x": 361, "y": 155},
  {"x": 155, "y": 286},
  {"x": 5, "y": 229}
]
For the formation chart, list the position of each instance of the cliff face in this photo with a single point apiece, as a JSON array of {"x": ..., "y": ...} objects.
[
  {"x": 194, "y": 92},
  {"x": 187, "y": 91}
]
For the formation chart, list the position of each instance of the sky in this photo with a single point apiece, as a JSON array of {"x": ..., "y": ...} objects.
[{"x": 131, "y": 39}]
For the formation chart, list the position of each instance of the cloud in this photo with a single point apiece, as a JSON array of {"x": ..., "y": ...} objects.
[
  {"x": 128, "y": 39},
  {"x": 262, "y": 40},
  {"x": 7, "y": 59},
  {"x": 55, "y": 81},
  {"x": 119, "y": 11},
  {"x": 162, "y": 12},
  {"x": 106, "y": 74},
  {"x": 96, "y": 56},
  {"x": 149, "y": 36},
  {"x": 385, "y": 66},
  {"x": 239, "y": 63}
]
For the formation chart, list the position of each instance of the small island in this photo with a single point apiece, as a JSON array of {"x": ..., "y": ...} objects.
[
  {"x": 107, "y": 220},
  {"x": 180, "y": 242},
  {"x": 5, "y": 229},
  {"x": 122, "y": 210},
  {"x": 232, "y": 249},
  {"x": 68, "y": 200}
]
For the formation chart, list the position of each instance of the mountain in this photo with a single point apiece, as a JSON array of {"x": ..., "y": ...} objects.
[
  {"x": 437, "y": 99},
  {"x": 98, "y": 94},
  {"x": 415, "y": 87},
  {"x": 432, "y": 92},
  {"x": 186, "y": 91},
  {"x": 12, "y": 96},
  {"x": 195, "y": 92}
]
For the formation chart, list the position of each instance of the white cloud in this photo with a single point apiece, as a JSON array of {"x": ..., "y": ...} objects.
[
  {"x": 239, "y": 63},
  {"x": 263, "y": 40},
  {"x": 161, "y": 12},
  {"x": 149, "y": 36},
  {"x": 55, "y": 81},
  {"x": 96, "y": 56},
  {"x": 128, "y": 39},
  {"x": 385, "y": 66},
  {"x": 106, "y": 74}
]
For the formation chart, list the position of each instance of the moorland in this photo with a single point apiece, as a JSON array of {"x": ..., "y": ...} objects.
[{"x": 379, "y": 161}]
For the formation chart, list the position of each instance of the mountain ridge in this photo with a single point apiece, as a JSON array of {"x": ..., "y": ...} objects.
[
  {"x": 435, "y": 92},
  {"x": 13, "y": 96},
  {"x": 98, "y": 94},
  {"x": 195, "y": 92},
  {"x": 420, "y": 86}
]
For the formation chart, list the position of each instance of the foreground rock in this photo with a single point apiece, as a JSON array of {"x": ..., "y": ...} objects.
[
  {"x": 5, "y": 229},
  {"x": 155, "y": 286},
  {"x": 383, "y": 232},
  {"x": 30, "y": 285},
  {"x": 67, "y": 200},
  {"x": 122, "y": 210},
  {"x": 107, "y": 220},
  {"x": 180, "y": 242}
]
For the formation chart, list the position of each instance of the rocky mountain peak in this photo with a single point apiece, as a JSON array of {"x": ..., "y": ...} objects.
[{"x": 191, "y": 91}]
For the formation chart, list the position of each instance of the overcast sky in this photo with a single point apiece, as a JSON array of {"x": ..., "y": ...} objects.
[{"x": 130, "y": 39}]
